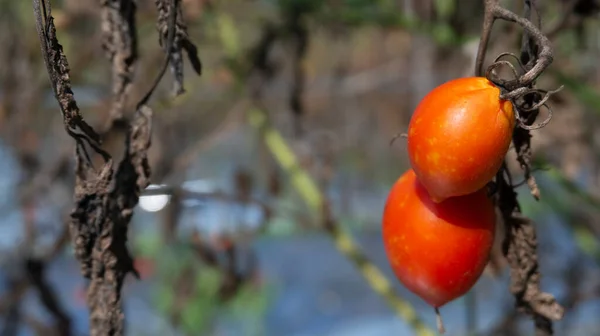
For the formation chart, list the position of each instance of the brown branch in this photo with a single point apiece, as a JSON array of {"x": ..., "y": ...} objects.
[
  {"x": 23, "y": 92},
  {"x": 544, "y": 58},
  {"x": 536, "y": 56},
  {"x": 58, "y": 72},
  {"x": 119, "y": 41},
  {"x": 36, "y": 274},
  {"x": 10, "y": 305},
  {"x": 104, "y": 198},
  {"x": 519, "y": 248},
  {"x": 520, "y": 242},
  {"x": 488, "y": 22},
  {"x": 171, "y": 9},
  {"x": 521, "y": 136}
]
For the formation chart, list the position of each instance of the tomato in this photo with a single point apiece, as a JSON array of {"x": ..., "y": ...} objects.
[
  {"x": 437, "y": 250},
  {"x": 458, "y": 136}
]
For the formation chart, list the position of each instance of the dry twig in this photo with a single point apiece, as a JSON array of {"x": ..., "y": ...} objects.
[
  {"x": 36, "y": 274},
  {"x": 104, "y": 198},
  {"x": 520, "y": 241},
  {"x": 119, "y": 41},
  {"x": 181, "y": 41}
]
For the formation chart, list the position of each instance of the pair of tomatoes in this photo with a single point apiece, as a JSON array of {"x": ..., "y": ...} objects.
[{"x": 438, "y": 221}]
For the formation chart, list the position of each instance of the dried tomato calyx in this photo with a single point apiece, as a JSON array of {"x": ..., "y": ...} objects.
[{"x": 526, "y": 100}]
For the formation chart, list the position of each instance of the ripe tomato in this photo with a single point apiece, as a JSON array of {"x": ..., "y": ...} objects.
[
  {"x": 458, "y": 136},
  {"x": 437, "y": 250}
]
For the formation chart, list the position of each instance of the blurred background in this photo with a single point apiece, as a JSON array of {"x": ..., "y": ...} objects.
[{"x": 297, "y": 104}]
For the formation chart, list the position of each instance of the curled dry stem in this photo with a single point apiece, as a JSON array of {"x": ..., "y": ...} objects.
[
  {"x": 514, "y": 57},
  {"x": 521, "y": 84},
  {"x": 174, "y": 39},
  {"x": 523, "y": 107},
  {"x": 104, "y": 198},
  {"x": 536, "y": 56},
  {"x": 544, "y": 58},
  {"x": 491, "y": 70},
  {"x": 520, "y": 242},
  {"x": 119, "y": 41}
]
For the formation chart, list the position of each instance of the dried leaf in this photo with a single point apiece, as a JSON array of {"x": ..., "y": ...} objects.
[
  {"x": 119, "y": 41},
  {"x": 181, "y": 41}
]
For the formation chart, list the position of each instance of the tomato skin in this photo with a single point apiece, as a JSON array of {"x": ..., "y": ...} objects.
[
  {"x": 458, "y": 136},
  {"x": 437, "y": 250}
]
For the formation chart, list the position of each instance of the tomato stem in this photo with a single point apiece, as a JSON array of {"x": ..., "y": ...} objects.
[{"x": 440, "y": 323}]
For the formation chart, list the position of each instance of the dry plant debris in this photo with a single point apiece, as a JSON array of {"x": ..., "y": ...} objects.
[
  {"x": 520, "y": 240},
  {"x": 105, "y": 198}
]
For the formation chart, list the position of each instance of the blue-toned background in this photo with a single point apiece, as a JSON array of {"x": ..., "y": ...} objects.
[{"x": 367, "y": 65}]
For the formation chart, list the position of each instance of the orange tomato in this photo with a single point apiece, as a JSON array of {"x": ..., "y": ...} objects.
[
  {"x": 437, "y": 250},
  {"x": 458, "y": 136}
]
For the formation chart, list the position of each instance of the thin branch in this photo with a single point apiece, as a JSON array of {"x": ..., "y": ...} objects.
[
  {"x": 544, "y": 57},
  {"x": 119, "y": 41},
  {"x": 520, "y": 242},
  {"x": 170, "y": 21},
  {"x": 488, "y": 22},
  {"x": 519, "y": 247},
  {"x": 104, "y": 198},
  {"x": 58, "y": 71},
  {"x": 36, "y": 274}
]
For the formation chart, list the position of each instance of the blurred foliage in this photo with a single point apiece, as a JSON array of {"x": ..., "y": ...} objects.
[
  {"x": 225, "y": 42},
  {"x": 200, "y": 304},
  {"x": 352, "y": 14},
  {"x": 584, "y": 92}
]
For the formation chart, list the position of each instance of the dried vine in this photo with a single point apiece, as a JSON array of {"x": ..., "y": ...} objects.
[
  {"x": 520, "y": 241},
  {"x": 119, "y": 41},
  {"x": 171, "y": 10},
  {"x": 104, "y": 198}
]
